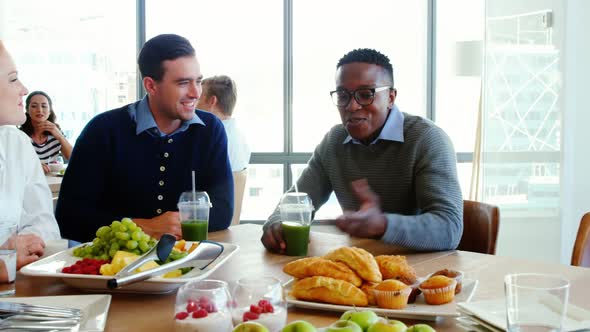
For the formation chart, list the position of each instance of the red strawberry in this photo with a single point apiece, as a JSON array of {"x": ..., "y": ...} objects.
[
  {"x": 248, "y": 315},
  {"x": 191, "y": 306},
  {"x": 200, "y": 313},
  {"x": 255, "y": 309},
  {"x": 181, "y": 315}
]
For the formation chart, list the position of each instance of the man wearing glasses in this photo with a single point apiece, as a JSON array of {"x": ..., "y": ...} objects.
[{"x": 394, "y": 174}]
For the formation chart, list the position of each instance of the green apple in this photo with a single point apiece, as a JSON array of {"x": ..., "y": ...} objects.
[
  {"x": 420, "y": 328},
  {"x": 250, "y": 327},
  {"x": 299, "y": 326},
  {"x": 363, "y": 318},
  {"x": 384, "y": 325},
  {"x": 344, "y": 326}
]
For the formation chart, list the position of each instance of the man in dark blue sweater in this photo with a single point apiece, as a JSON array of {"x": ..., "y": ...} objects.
[{"x": 135, "y": 161}]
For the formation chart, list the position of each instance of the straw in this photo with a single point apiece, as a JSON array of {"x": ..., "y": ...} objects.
[
  {"x": 297, "y": 192},
  {"x": 194, "y": 187}
]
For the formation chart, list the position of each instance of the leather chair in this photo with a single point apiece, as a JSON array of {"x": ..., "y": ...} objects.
[
  {"x": 239, "y": 187},
  {"x": 581, "y": 253},
  {"x": 481, "y": 223}
]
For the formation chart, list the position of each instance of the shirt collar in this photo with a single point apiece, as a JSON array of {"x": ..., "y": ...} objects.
[
  {"x": 393, "y": 129},
  {"x": 141, "y": 114}
]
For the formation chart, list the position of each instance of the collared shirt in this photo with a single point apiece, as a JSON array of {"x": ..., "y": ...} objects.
[
  {"x": 24, "y": 194},
  {"x": 140, "y": 113},
  {"x": 393, "y": 129}
]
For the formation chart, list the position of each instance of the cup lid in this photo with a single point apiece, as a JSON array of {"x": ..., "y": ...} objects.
[{"x": 198, "y": 197}]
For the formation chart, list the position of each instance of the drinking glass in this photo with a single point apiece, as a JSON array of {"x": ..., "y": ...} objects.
[
  {"x": 204, "y": 306},
  {"x": 296, "y": 210},
  {"x": 193, "y": 208},
  {"x": 8, "y": 237},
  {"x": 535, "y": 302},
  {"x": 260, "y": 299}
]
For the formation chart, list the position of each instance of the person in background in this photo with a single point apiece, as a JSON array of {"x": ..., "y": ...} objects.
[
  {"x": 46, "y": 136},
  {"x": 24, "y": 193},
  {"x": 136, "y": 160},
  {"x": 219, "y": 97},
  {"x": 394, "y": 174}
]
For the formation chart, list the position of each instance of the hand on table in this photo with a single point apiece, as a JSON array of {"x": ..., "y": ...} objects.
[
  {"x": 29, "y": 248},
  {"x": 369, "y": 221},
  {"x": 273, "y": 240},
  {"x": 168, "y": 222},
  {"x": 45, "y": 168}
]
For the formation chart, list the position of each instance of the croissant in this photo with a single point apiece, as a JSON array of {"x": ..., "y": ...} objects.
[
  {"x": 368, "y": 287},
  {"x": 396, "y": 267},
  {"x": 359, "y": 260},
  {"x": 319, "y": 266},
  {"x": 329, "y": 290}
]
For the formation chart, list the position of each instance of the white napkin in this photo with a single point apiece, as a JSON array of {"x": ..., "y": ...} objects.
[{"x": 493, "y": 312}]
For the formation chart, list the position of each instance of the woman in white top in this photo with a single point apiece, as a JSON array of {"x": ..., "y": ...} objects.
[
  {"x": 24, "y": 193},
  {"x": 46, "y": 136}
]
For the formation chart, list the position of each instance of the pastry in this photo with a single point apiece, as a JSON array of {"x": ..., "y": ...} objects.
[
  {"x": 319, "y": 266},
  {"x": 359, "y": 260},
  {"x": 368, "y": 287},
  {"x": 457, "y": 275},
  {"x": 329, "y": 290},
  {"x": 392, "y": 294},
  {"x": 438, "y": 289},
  {"x": 396, "y": 267}
]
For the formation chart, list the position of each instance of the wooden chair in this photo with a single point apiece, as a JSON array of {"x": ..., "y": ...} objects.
[
  {"x": 581, "y": 253},
  {"x": 481, "y": 223},
  {"x": 239, "y": 187}
]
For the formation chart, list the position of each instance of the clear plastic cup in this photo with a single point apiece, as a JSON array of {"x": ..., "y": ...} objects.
[
  {"x": 193, "y": 208},
  {"x": 203, "y": 306},
  {"x": 8, "y": 238},
  {"x": 296, "y": 211},
  {"x": 260, "y": 299}
]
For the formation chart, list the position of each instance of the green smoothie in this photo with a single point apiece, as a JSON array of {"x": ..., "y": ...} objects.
[
  {"x": 194, "y": 230},
  {"x": 296, "y": 238}
]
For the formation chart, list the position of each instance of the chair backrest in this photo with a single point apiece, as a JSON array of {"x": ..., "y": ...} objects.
[
  {"x": 481, "y": 223},
  {"x": 239, "y": 187},
  {"x": 581, "y": 253}
]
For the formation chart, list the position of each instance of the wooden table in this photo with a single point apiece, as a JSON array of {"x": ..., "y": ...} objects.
[
  {"x": 131, "y": 312},
  {"x": 54, "y": 183}
]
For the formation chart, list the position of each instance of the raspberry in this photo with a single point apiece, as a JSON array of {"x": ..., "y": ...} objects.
[
  {"x": 181, "y": 315},
  {"x": 209, "y": 307},
  {"x": 268, "y": 308},
  {"x": 200, "y": 313},
  {"x": 203, "y": 300},
  {"x": 255, "y": 309},
  {"x": 262, "y": 303},
  {"x": 248, "y": 315},
  {"x": 191, "y": 306}
]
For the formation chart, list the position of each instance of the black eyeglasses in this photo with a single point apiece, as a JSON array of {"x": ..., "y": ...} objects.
[{"x": 363, "y": 96}]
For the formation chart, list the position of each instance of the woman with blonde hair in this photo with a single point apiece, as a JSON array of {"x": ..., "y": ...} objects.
[{"x": 24, "y": 194}]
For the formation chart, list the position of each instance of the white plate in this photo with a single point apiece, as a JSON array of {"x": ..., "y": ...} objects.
[
  {"x": 51, "y": 267},
  {"x": 56, "y": 174},
  {"x": 418, "y": 309},
  {"x": 95, "y": 307},
  {"x": 493, "y": 312}
]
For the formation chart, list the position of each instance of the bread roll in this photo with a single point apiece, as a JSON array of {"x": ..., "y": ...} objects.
[
  {"x": 359, "y": 260},
  {"x": 329, "y": 290},
  {"x": 319, "y": 266},
  {"x": 396, "y": 267}
]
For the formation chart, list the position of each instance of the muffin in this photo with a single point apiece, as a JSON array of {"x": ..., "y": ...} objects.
[
  {"x": 438, "y": 289},
  {"x": 392, "y": 294},
  {"x": 457, "y": 275}
]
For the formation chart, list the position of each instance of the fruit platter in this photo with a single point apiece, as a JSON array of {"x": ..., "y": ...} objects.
[{"x": 89, "y": 266}]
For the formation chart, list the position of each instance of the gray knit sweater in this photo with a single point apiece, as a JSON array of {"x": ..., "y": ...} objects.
[{"x": 416, "y": 181}]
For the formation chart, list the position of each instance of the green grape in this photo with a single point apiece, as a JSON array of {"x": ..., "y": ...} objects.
[
  {"x": 131, "y": 244},
  {"x": 133, "y": 227},
  {"x": 122, "y": 236},
  {"x": 136, "y": 235},
  {"x": 145, "y": 237},
  {"x": 115, "y": 246},
  {"x": 143, "y": 246},
  {"x": 102, "y": 231}
]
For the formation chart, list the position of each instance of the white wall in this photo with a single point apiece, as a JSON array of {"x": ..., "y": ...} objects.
[{"x": 576, "y": 121}]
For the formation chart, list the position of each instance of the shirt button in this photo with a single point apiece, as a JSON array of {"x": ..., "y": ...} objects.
[
  {"x": 170, "y": 140},
  {"x": 161, "y": 183},
  {"x": 166, "y": 154},
  {"x": 162, "y": 168},
  {"x": 160, "y": 197},
  {"x": 159, "y": 211}
]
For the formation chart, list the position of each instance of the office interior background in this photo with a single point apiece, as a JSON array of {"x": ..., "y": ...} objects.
[{"x": 517, "y": 65}]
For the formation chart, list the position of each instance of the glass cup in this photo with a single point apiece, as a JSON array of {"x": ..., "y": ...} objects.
[
  {"x": 296, "y": 210},
  {"x": 204, "y": 306},
  {"x": 193, "y": 208},
  {"x": 260, "y": 299},
  {"x": 8, "y": 237},
  {"x": 535, "y": 302}
]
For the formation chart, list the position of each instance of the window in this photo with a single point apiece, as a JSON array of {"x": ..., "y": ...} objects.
[{"x": 51, "y": 43}]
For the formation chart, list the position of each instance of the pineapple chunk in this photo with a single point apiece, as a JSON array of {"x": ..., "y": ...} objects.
[
  {"x": 122, "y": 259},
  {"x": 180, "y": 245},
  {"x": 173, "y": 274}
]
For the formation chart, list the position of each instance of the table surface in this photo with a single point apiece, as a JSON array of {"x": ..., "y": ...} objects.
[
  {"x": 54, "y": 182},
  {"x": 145, "y": 312}
]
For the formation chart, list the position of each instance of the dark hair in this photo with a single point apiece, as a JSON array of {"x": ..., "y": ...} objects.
[
  {"x": 224, "y": 89},
  {"x": 159, "y": 49},
  {"x": 367, "y": 55},
  {"x": 27, "y": 127}
]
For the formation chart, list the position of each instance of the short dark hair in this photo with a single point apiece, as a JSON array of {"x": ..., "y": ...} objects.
[
  {"x": 27, "y": 127},
  {"x": 368, "y": 55},
  {"x": 159, "y": 49},
  {"x": 224, "y": 89}
]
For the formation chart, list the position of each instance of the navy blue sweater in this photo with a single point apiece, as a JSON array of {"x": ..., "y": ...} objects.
[{"x": 114, "y": 173}]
